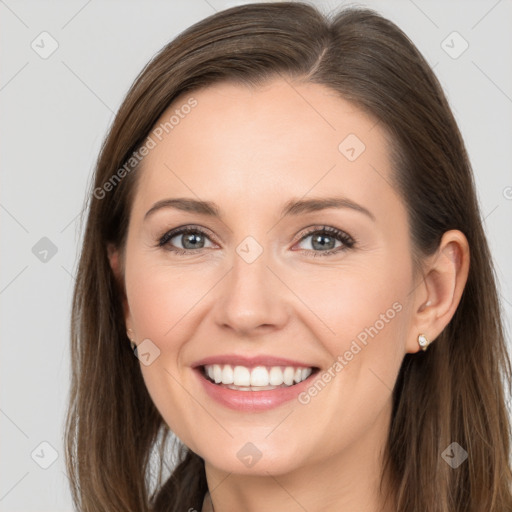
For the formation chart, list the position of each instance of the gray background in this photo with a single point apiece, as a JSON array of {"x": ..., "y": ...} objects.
[{"x": 55, "y": 114}]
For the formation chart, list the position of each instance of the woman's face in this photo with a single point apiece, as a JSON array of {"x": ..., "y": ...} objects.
[{"x": 263, "y": 280}]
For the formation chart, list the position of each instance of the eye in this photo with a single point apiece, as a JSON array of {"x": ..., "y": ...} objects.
[
  {"x": 325, "y": 238},
  {"x": 191, "y": 237}
]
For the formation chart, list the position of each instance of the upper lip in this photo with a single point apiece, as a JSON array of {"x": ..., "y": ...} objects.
[{"x": 260, "y": 360}]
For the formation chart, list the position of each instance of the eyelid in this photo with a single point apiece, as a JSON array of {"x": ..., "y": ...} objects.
[
  {"x": 347, "y": 241},
  {"x": 180, "y": 230},
  {"x": 319, "y": 228}
]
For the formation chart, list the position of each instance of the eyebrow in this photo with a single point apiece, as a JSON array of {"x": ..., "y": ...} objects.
[{"x": 292, "y": 207}]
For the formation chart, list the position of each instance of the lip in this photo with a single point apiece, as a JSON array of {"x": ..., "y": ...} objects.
[
  {"x": 253, "y": 401},
  {"x": 250, "y": 362}
]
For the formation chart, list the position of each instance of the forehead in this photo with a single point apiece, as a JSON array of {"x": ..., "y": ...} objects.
[{"x": 263, "y": 143}]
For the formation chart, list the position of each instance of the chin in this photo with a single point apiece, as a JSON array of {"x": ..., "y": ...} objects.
[{"x": 253, "y": 458}]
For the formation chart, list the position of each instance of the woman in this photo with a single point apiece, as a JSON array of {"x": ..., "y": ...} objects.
[{"x": 372, "y": 378}]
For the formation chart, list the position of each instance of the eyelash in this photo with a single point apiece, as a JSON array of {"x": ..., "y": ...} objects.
[{"x": 347, "y": 241}]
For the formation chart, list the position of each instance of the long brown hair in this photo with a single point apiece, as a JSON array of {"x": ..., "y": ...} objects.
[{"x": 454, "y": 392}]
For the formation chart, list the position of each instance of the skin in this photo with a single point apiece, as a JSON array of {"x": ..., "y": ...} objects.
[{"x": 250, "y": 151}]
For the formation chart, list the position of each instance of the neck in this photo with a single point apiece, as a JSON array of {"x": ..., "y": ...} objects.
[{"x": 348, "y": 480}]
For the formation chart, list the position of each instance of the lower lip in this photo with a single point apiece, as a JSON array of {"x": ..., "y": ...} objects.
[{"x": 251, "y": 401}]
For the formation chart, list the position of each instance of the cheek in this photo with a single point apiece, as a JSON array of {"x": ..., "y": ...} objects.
[
  {"x": 362, "y": 304},
  {"x": 366, "y": 313},
  {"x": 161, "y": 302},
  {"x": 159, "y": 298}
]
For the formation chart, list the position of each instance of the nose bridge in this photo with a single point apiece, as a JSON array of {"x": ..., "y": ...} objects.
[{"x": 251, "y": 296}]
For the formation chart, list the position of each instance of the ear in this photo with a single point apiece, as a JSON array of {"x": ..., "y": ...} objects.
[
  {"x": 438, "y": 294},
  {"x": 117, "y": 265}
]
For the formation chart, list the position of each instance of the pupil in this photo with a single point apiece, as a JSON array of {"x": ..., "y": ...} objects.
[
  {"x": 190, "y": 238},
  {"x": 322, "y": 245}
]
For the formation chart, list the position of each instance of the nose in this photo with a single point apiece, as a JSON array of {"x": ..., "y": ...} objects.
[{"x": 252, "y": 298}]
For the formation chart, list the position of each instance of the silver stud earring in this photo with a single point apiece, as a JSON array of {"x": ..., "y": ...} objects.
[
  {"x": 423, "y": 341},
  {"x": 132, "y": 343}
]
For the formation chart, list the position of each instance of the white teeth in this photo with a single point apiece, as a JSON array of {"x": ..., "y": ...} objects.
[
  {"x": 241, "y": 376},
  {"x": 259, "y": 376},
  {"x": 288, "y": 375},
  {"x": 306, "y": 372},
  {"x": 262, "y": 377},
  {"x": 276, "y": 376},
  {"x": 227, "y": 374},
  {"x": 217, "y": 373}
]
